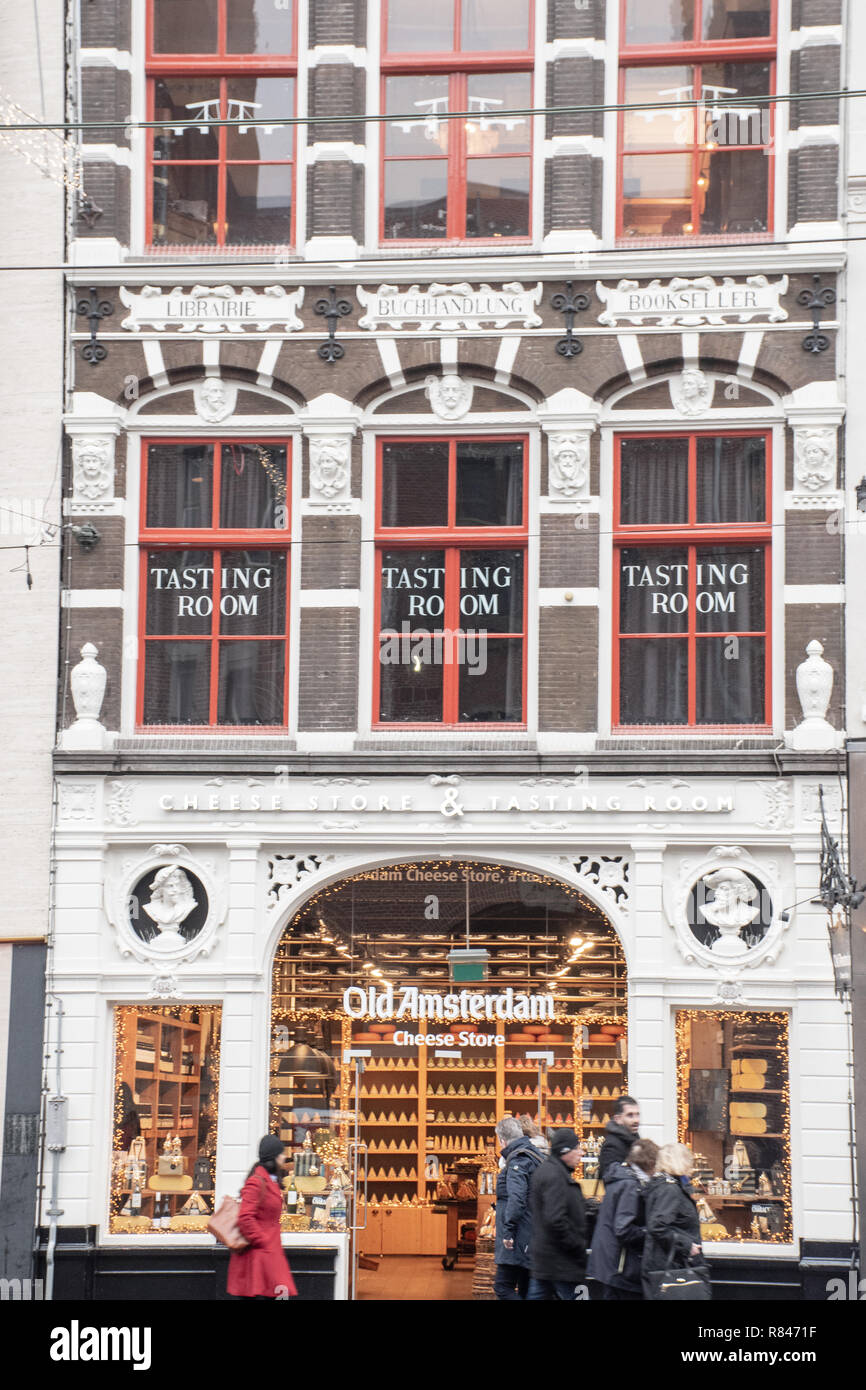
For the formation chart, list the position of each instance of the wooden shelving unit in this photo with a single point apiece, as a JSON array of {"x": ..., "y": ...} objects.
[{"x": 163, "y": 1068}]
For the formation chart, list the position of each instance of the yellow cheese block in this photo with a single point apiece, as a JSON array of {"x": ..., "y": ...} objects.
[
  {"x": 745, "y": 1110},
  {"x": 162, "y": 1183},
  {"x": 748, "y": 1126},
  {"x": 749, "y": 1064},
  {"x": 747, "y": 1082}
]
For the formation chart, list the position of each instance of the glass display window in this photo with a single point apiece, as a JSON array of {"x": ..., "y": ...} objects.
[
  {"x": 214, "y": 584},
  {"x": 167, "y": 1062},
  {"x": 733, "y": 1109},
  {"x": 466, "y": 176},
  {"x": 692, "y": 553},
  {"x": 696, "y": 138},
  {"x": 451, "y": 597},
  {"x": 211, "y": 61}
]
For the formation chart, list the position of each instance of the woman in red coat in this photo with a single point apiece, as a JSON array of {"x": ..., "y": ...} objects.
[{"x": 262, "y": 1270}]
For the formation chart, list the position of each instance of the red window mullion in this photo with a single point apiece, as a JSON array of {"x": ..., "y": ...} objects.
[
  {"x": 451, "y": 670},
  {"x": 215, "y": 646},
  {"x": 458, "y": 101},
  {"x": 691, "y": 640},
  {"x": 222, "y": 26}
]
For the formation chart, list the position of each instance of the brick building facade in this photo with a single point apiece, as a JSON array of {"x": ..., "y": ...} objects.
[{"x": 578, "y": 374}]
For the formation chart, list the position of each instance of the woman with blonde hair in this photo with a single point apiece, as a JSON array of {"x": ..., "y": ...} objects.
[{"x": 673, "y": 1227}]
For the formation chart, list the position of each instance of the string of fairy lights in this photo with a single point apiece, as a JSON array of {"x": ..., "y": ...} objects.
[
  {"x": 685, "y": 1018},
  {"x": 127, "y": 1019}
]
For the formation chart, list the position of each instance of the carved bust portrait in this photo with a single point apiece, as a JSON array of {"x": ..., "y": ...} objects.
[
  {"x": 329, "y": 466},
  {"x": 215, "y": 399},
  {"x": 569, "y": 463},
  {"x": 730, "y": 908},
  {"x": 691, "y": 392},
  {"x": 171, "y": 899},
  {"x": 93, "y": 468},
  {"x": 450, "y": 397},
  {"x": 815, "y": 458}
]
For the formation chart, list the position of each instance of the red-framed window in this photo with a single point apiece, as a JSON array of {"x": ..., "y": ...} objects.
[
  {"x": 467, "y": 179},
  {"x": 210, "y": 60},
  {"x": 451, "y": 533},
  {"x": 214, "y": 583},
  {"x": 691, "y": 580},
  {"x": 696, "y": 171}
]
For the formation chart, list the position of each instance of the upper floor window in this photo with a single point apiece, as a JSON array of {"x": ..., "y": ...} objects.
[
  {"x": 213, "y": 60},
  {"x": 705, "y": 169},
  {"x": 691, "y": 597},
  {"x": 469, "y": 177},
  {"x": 451, "y": 601},
  {"x": 214, "y": 584}
]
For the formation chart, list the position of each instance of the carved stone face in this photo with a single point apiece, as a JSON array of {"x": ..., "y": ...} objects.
[
  {"x": 215, "y": 399},
  {"x": 691, "y": 392},
  {"x": 449, "y": 396}
]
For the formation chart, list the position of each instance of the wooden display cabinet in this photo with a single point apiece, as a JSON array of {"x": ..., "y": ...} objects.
[{"x": 162, "y": 1066}]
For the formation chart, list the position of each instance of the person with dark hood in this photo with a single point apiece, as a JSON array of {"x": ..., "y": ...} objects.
[
  {"x": 262, "y": 1270},
  {"x": 620, "y": 1231},
  {"x": 620, "y": 1132},
  {"x": 520, "y": 1158},
  {"x": 557, "y": 1252}
]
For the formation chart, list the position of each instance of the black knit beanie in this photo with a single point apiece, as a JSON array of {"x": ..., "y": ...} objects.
[{"x": 269, "y": 1147}]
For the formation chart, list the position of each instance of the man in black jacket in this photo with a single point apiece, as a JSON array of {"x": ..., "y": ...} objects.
[
  {"x": 620, "y": 1132},
  {"x": 558, "y": 1250},
  {"x": 520, "y": 1158}
]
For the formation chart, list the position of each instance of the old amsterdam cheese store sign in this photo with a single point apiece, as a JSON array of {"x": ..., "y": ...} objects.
[{"x": 364, "y": 967}]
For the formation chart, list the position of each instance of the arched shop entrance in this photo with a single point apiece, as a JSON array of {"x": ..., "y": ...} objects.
[{"x": 377, "y": 963}]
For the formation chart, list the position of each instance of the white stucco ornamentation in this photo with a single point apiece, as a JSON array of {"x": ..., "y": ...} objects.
[
  {"x": 87, "y": 683},
  {"x": 814, "y": 688},
  {"x": 285, "y": 872},
  {"x": 449, "y": 397},
  {"x": 215, "y": 399},
  {"x": 814, "y": 460},
  {"x": 729, "y": 907},
  {"x": 92, "y": 469},
  {"x": 171, "y": 901},
  {"x": 568, "y": 465},
  {"x": 692, "y": 393},
  {"x": 732, "y": 900},
  {"x": 329, "y": 467},
  {"x": 172, "y": 883},
  {"x": 609, "y": 873}
]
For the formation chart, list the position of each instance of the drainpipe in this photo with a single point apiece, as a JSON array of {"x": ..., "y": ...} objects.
[{"x": 55, "y": 1137}]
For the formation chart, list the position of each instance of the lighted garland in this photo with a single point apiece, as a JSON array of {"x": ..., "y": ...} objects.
[
  {"x": 684, "y": 1020},
  {"x": 129, "y": 1014}
]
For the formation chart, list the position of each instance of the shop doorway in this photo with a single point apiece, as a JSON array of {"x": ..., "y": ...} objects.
[{"x": 379, "y": 1025}]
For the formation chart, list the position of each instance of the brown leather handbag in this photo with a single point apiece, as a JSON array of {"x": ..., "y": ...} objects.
[{"x": 224, "y": 1225}]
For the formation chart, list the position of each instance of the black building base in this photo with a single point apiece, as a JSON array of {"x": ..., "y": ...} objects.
[{"x": 85, "y": 1271}]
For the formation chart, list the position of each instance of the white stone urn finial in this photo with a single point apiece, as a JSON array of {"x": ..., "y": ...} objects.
[
  {"x": 87, "y": 682},
  {"x": 814, "y": 688}
]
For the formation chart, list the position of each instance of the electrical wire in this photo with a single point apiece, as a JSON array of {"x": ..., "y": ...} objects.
[{"x": 394, "y": 117}]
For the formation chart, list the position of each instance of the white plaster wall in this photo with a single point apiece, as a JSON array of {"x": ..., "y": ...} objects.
[
  {"x": 31, "y": 399},
  {"x": 93, "y": 976}
]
